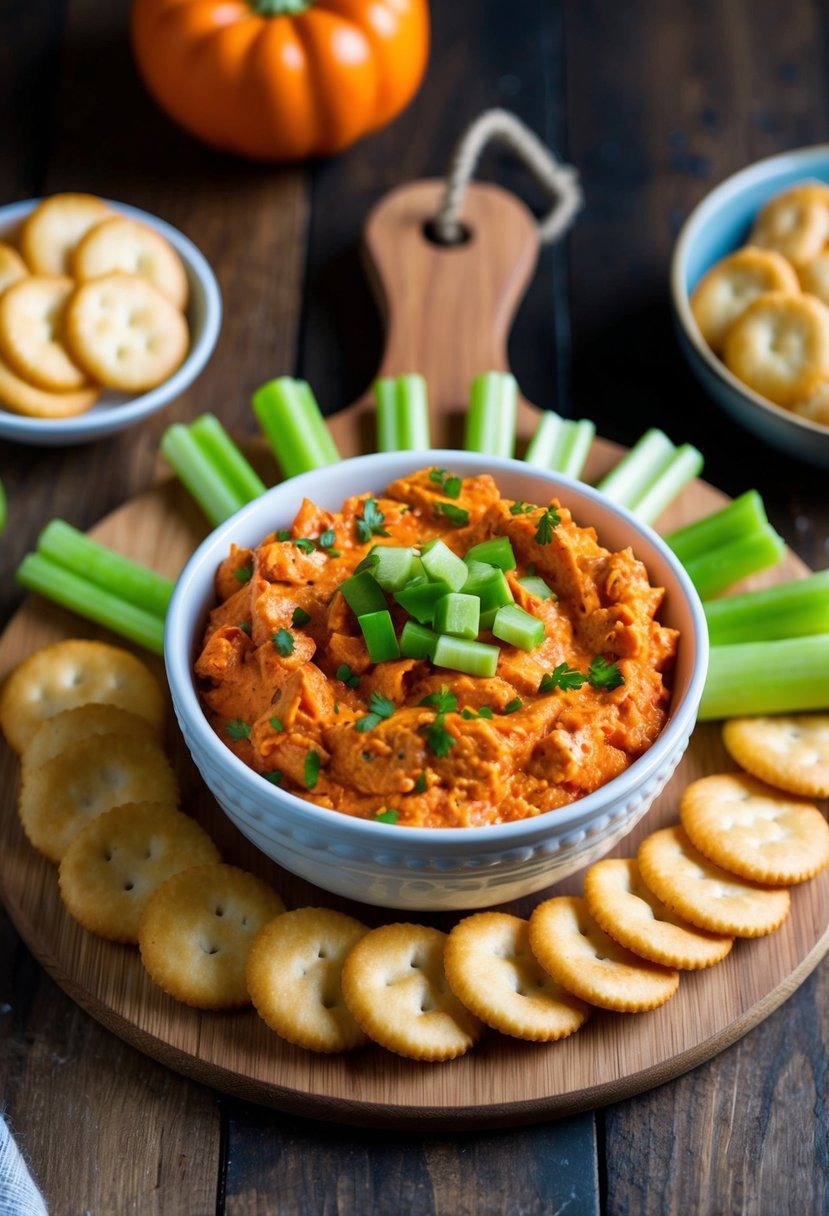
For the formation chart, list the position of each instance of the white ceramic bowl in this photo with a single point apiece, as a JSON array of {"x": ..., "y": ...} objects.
[
  {"x": 431, "y": 868},
  {"x": 718, "y": 225},
  {"x": 115, "y": 411}
]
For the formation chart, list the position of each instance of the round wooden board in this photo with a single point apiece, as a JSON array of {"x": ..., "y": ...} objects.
[{"x": 501, "y": 1081}]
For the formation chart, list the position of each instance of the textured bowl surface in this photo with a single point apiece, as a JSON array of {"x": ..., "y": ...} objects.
[
  {"x": 717, "y": 226},
  {"x": 431, "y": 868},
  {"x": 115, "y": 411}
]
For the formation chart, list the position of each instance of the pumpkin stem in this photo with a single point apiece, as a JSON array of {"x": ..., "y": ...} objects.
[{"x": 277, "y": 8}]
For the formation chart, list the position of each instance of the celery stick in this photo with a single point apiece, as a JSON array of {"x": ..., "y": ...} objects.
[
  {"x": 110, "y": 571},
  {"x": 575, "y": 449},
  {"x": 197, "y": 472},
  {"x": 493, "y": 409},
  {"x": 62, "y": 586},
  {"x": 217, "y": 445},
  {"x": 744, "y": 515},
  {"x": 294, "y": 426},
  {"x": 683, "y": 466},
  {"x": 787, "y": 610},
  {"x": 785, "y": 676},
  {"x": 638, "y": 469},
  {"x": 545, "y": 446},
  {"x": 561, "y": 445},
  {"x": 402, "y": 414},
  {"x": 460, "y": 654},
  {"x": 727, "y": 564}
]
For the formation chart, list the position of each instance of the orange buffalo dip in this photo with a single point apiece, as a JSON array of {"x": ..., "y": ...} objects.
[{"x": 288, "y": 684}]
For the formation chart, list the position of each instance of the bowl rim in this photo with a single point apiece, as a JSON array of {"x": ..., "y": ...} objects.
[
  {"x": 100, "y": 421},
  {"x": 178, "y": 658},
  {"x": 757, "y": 172}
]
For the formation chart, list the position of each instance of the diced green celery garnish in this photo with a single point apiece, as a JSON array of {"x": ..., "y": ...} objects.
[
  {"x": 786, "y": 676},
  {"x": 495, "y": 552},
  {"x": 536, "y": 586},
  {"x": 493, "y": 592},
  {"x": 402, "y": 414},
  {"x": 458, "y": 614},
  {"x": 418, "y": 570},
  {"x": 111, "y": 571},
  {"x": 417, "y": 642},
  {"x": 512, "y": 624},
  {"x": 493, "y": 409},
  {"x": 39, "y": 573},
  {"x": 713, "y": 572},
  {"x": 442, "y": 565},
  {"x": 477, "y": 572},
  {"x": 787, "y": 610},
  {"x": 362, "y": 594},
  {"x": 378, "y": 632},
  {"x": 461, "y": 654},
  {"x": 741, "y": 517},
  {"x": 419, "y": 599},
  {"x": 392, "y": 567},
  {"x": 294, "y": 426}
]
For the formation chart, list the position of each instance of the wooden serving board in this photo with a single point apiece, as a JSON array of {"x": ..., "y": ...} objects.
[{"x": 501, "y": 1081}]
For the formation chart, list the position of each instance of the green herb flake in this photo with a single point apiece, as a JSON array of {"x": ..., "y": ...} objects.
[
  {"x": 562, "y": 677},
  {"x": 549, "y": 520},
  {"x": 300, "y": 617},
  {"x": 371, "y": 522},
  {"x": 243, "y": 573},
  {"x": 603, "y": 674},
  {"x": 450, "y": 483},
  {"x": 276, "y": 724},
  {"x": 522, "y": 508},
  {"x": 485, "y": 711},
  {"x": 438, "y": 737},
  {"x": 380, "y": 708},
  {"x": 305, "y": 544},
  {"x": 312, "y": 769},
  {"x": 327, "y": 538},
  {"x": 420, "y": 784},
  {"x": 457, "y": 516},
  {"x": 274, "y": 777},
  {"x": 445, "y": 702},
  {"x": 368, "y": 563},
  {"x": 283, "y": 534},
  {"x": 512, "y": 706},
  {"x": 245, "y": 627},
  {"x": 347, "y": 676},
  {"x": 283, "y": 640},
  {"x": 237, "y": 729},
  {"x": 336, "y": 707},
  {"x": 388, "y": 816}
]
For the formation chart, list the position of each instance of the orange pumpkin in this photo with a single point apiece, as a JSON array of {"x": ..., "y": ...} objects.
[{"x": 281, "y": 80}]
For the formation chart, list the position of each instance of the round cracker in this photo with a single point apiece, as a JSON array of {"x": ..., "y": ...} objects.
[
  {"x": 790, "y": 751},
  {"x": 625, "y": 908},
  {"x": 703, "y": 892},
  {"x": 20, "y": 397},
  {"x": 794, "y": 222},
  {"x": 753, "y": 830},
  {"x": 780, "y": 346},
  {"x": 814, "y": 276},
  {"x": 120, "y": 858},
  {"x": 577, "y": 952},
  {"x": 394, "y": 984},
  {"x": 196, "y": 930},
  {"x": 726, "y": 290},
  {"x": 293, "y": 975},
  {"x": 124, "y": 333},
  {"x": 53, "y": 229},
  {"x": 62, "y": 796},
  {"x": 74, "y": 672},
  {"x": 492, "y": 970},
  {"x": 12, "y": 266},
  {"x": 124, "y": 244},
  {"x": 73, "y": 725},
  {"x": 31, "y": 333}
]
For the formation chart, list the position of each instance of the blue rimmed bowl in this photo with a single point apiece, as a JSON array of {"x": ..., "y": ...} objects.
[{"x": 431, "y": 868}]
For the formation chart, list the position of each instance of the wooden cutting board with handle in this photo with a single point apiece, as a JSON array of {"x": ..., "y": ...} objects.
[{"x": 448, "y": 313}]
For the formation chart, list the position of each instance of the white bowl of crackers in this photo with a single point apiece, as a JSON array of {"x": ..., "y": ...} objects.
[
  {"x": 428, "y": 867},
  {"x": 107, "y": 314},
  {"x": 750, "y": 290}
]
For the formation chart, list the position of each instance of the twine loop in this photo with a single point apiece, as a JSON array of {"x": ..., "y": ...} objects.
[{"x": 560, "y": 182}]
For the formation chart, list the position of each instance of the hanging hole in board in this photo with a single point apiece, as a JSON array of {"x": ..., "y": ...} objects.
[{"x": 462, "y": 235}]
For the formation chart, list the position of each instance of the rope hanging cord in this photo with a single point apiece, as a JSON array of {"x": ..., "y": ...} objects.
[{"x": 560, "y": 182}]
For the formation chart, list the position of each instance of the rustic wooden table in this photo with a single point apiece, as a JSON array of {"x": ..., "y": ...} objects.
[{"x": 654, "y": 103}]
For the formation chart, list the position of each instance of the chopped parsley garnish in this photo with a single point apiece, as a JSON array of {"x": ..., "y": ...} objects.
[
  {"x": 522, "y": 508},
  {"x": 389, "y": 816},
  {"x": 368, "y": 563},
  {"x": 438, "y": 737},
  {"x": 304, "y": 543},
  {"x": 300, "y": 617},
  {"x": 312, "y": 769},
  {"x": 327, "y": 538},
  {"x": 274, "y": 777},
  {"x": 283, "y": 534},
  {"x": 511, "y": 706},
  {"x": 371, "y": 522},
  {"x": 283, "y": 640},
  {"x": 445, "y": 702},
  {"x": 276, "y": 724},
  {"x": 347, "y": 676},
  {"x": 548, "y": 521},
  {"x": 243, "y": 573},
  {"x": 603, "y": 674},
  {"x": 420, "y": 784},
  {"x": 245, "y": 627},
  {"x": 563, "y": 677},
  {"x": 484, "y": 712},
  {"x": 448, "y": 482},
  {"x": 237, "y": 729},
  {"x": 458, "y": 516},
  {"x": 380, "y": 707}
]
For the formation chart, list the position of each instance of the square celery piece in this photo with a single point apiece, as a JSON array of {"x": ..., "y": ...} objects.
[
  {"x": 391, "y": 566},
  {"x": 458, "y": 614},
  {"x": 419, "y": 599},
  {"x": 512, "y": 624},
  {"x": 440, "y": 563},
  {"x": 461, "y": 654},
  {"x": 379, "y": 634},
  {"x": 417, "y": 642},
  {"x": 362, "y": 594},
  {"x": 497, "y": 551}
]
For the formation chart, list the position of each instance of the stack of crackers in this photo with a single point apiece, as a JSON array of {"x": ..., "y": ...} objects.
[
  {"x": 764, "y": 309},
  {"x": 89, "y": 299},
  {"x": 100, "y": 799}
]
